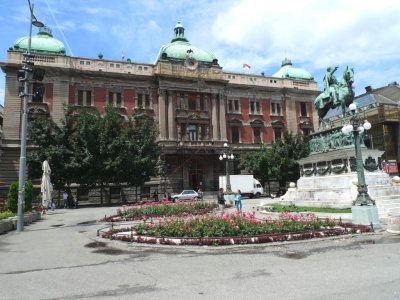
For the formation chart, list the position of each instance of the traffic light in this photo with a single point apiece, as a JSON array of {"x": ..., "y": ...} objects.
[
  {"x": 38, "y": 92},
  {"x": 21, "y": 75}
]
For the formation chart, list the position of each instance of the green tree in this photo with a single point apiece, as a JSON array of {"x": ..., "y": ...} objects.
[
  {"x": 55, "y": 144},
  {"x": 278, "y": 161},
  {"x": 95, "y": 150},
  {"x": 258, "y": 163},
  {"x": 98, "y": 148},
  {"x": 140, "y": 156}
]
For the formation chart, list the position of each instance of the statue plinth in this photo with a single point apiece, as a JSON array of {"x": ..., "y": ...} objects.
[{"x": 329, "y": 179}]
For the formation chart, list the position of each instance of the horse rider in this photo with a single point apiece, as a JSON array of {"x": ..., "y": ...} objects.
[{"x": 331, "y": 84}]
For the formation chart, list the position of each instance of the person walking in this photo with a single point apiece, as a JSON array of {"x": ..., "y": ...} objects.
[
  {"x": 221, "y": 200},
  {"x": 65, "y": 199},
  {"x": 238, "y": 201},
  {"x": 75, "y": 200}
]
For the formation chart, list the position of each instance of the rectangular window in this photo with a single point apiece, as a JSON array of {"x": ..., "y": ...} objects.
[
  {"x": 118, "y": 100},
  {"x": 257, "y": 135},
  {"x": 230, "y": 105},
  {"x": 277, "y": 134},
  {"x": 235, "y": 131},
  {"x": 143, "y": 100},
  {"x": 192, "y": 103},
  {"x": 255, "y": 107},
  {"x": 303, "y": 109},
  {"x": 110, "y": 98},
  {"x": 80, "y": 98},
  {"x": 275, "y": 109},
  {"x": 140, "y": 100},
  {"x": 88, "y": 98},
  {"x": 193, "y": 133},
  {"x": 234, "y": 106},
  {"x": 84, "y": 98}
]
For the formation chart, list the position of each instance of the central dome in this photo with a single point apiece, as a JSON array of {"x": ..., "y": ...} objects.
[
  {"x": 181, "y": 49},
  {"x": 43, "y": 42},
  {"x": 288, "y": 71}
]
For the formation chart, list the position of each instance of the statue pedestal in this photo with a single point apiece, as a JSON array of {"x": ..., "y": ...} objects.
[
  {"x": 330, "y": 180},
  {"x": 365, "y": 215}
]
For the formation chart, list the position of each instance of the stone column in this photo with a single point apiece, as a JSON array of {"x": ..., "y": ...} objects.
[
  {"x": 171, "y": 119},
  {"x": 214, "y": 119},
  {"x": 222, "y": 117},
  {"x": 162, "y": 114}
]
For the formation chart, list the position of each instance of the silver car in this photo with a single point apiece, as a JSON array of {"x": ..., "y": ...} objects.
[{"x": 186, "y": 195}]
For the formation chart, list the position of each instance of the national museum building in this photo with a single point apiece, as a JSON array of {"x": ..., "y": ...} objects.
[{"x": 197, "y": 105}]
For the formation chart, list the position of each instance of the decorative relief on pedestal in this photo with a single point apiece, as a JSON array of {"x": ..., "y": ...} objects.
[
  {"x": 308, "y": 170},
  {"x": 322, "y": 167},
  {"x": 370, "y": 164},
  {"x": 338, "y": 166}
]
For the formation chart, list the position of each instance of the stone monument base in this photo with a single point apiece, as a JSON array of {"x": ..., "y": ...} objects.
[{"x": 330, "y": 180}]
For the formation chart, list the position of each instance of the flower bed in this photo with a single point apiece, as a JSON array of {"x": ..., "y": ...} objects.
[
  {"x": 164, "y": 209},
  {"x": 232, "y": 229}
]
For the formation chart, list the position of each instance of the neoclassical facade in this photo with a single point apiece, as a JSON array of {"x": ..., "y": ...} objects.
[{"x": 198, "y": 106}]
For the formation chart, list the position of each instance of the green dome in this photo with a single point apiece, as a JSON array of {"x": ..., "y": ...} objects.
[
  {"x": 181, "y": 49},
  {"x": 43, "y": 42},
  {"x": 288, "y": 71}
]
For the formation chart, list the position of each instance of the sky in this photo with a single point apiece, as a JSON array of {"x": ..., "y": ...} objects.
[{"x": 314, "y": 34}]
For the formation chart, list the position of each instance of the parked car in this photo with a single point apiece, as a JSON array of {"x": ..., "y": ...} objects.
[{"x": 186, "y": 195}]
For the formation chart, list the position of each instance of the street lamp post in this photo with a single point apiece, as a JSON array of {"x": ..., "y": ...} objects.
[
  {"x": 227, "y": 155},
  {"x": 364, "y": 209},
  {"x": 27, "y": 68}
]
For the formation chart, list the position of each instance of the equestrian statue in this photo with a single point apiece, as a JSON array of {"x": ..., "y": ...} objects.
[{"x": 336, "y": 93}]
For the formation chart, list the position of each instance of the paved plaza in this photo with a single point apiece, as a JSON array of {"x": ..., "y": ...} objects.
[{"x": 60, "y": 257}]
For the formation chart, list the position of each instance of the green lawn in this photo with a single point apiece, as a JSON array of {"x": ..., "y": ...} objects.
[{"x": 292, "y": 208}]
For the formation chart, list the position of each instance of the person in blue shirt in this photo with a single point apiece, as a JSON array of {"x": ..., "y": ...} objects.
[{"x": 238, "y": 201}]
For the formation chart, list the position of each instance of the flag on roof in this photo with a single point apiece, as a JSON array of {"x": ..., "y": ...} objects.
[
  {"x": 246, "y": 66},
  {"x": 123, "y": 55}
]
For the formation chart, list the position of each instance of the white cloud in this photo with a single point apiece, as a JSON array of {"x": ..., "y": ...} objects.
[
  {"x": 320, "y": 31},
  {"x": 90, "y": 27}
]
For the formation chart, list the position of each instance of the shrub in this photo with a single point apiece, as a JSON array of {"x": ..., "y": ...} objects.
[
  {"x": 6, "y": 214},
  {"x": 12, "y": 197}
]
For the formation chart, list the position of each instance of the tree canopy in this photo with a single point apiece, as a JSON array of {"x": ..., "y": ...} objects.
[
  {"x": 278, "y": 160},
  {"x": 95, "y": 150}
]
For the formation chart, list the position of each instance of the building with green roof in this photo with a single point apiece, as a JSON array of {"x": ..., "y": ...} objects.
[{"x": 197, "y": 105}]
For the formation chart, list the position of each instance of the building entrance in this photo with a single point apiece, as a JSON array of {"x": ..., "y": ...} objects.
[{"x": 195, "y": 174}]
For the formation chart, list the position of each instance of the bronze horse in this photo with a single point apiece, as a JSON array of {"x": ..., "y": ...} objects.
[{"x": 344, "y": 93}]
